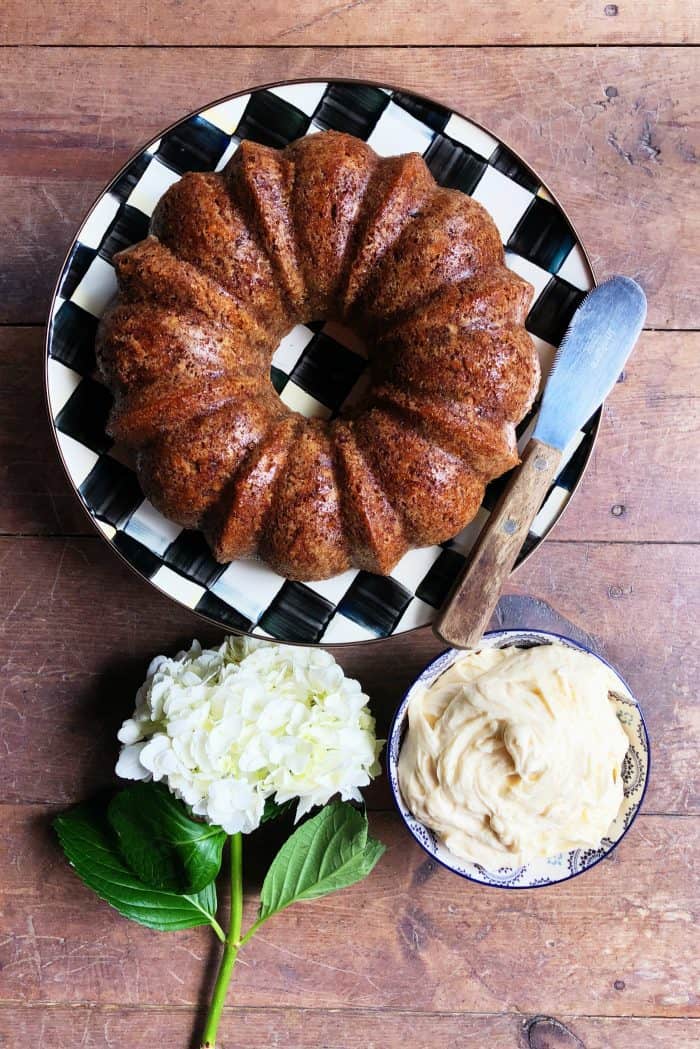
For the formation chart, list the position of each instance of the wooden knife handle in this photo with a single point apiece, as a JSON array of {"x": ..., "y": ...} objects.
[{"x": 469, "y": 607}]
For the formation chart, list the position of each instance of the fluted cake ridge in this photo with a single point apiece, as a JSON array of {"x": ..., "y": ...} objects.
[{"x": 323, "y": 229}]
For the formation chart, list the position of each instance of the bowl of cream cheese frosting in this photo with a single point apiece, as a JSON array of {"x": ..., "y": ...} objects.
[{"x": 519, "y": 764}]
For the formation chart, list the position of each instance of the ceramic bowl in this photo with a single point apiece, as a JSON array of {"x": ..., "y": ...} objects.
[{"x": 543, "y": 871}]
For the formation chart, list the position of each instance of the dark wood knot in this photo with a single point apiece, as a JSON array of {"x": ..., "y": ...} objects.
[{"x": 544, "y": 1032}]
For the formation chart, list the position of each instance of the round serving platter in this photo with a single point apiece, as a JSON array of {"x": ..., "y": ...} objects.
[{"x": 316, "y": 368}]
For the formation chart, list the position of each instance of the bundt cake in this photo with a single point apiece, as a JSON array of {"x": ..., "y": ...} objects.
[{"x": 324, "y": 229}]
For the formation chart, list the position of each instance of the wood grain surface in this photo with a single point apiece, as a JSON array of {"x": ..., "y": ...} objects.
[
  {"x": 387, "y": 22},
  {"x": 602, "y": 100},
  {"x": 408, "y": 936},
  {"x": 611, "y": 130},
  {"x": 269, "y": 1028}
]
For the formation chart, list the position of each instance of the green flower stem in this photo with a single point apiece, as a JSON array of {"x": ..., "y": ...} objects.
[
  {"x": 218, "y": 930},
  {"x": 252, "y": 930},
  {"x": 232, "y": 945}
]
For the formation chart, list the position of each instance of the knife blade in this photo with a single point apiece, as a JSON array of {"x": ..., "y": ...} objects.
[{"x": 589, "y": 360}]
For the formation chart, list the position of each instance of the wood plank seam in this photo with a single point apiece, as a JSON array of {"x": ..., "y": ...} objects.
[
  {"x": 146, "y": 1007},
  {"x": 357, "y": 47}
]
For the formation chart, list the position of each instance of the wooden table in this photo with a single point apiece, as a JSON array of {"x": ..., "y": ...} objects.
[{"x": 601, "y": 98}]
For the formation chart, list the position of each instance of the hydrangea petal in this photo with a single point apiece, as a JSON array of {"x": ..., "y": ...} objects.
[{"x": 229, "y": 727}]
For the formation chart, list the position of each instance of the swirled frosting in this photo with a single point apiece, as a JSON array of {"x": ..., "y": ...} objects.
[{"x": 515, "y": 753}]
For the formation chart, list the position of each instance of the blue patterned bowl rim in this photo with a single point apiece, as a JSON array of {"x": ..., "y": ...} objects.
[{"x": 436, "y": 667}]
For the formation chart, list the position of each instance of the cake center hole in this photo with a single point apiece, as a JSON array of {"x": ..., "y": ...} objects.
[{"x": 320, "y": 370}]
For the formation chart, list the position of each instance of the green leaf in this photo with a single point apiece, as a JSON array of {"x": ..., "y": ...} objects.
[
  {"x": 161, "y": 843},
  {"x": 92, "y": 851},
  {"x": 273, "y": 809},
  {"x": 330, "y": 851}
]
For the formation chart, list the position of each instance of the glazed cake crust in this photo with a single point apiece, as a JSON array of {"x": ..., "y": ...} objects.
[{"x": 324, "y": 229}]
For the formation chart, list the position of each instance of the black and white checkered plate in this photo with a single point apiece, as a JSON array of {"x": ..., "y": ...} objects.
[{"x": 315, "y": 370}]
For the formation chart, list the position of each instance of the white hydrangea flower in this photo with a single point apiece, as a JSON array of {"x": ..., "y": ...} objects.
[{"x": 227, "y": 728}]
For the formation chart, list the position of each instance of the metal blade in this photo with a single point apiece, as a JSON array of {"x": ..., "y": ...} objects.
[{"x": 591, "y": 356}]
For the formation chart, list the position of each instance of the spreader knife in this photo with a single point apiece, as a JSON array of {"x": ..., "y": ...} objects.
[{"x": 591, "y": 356}]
